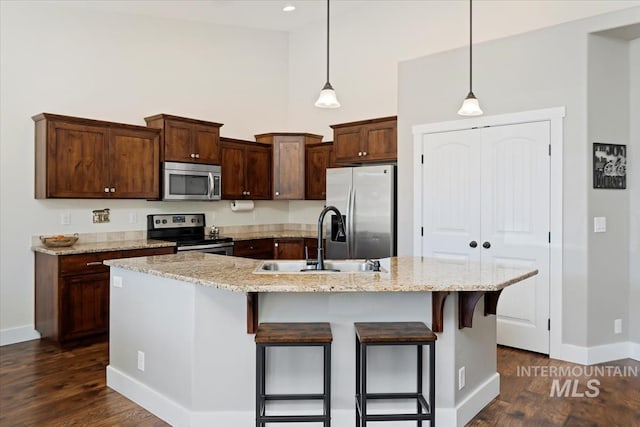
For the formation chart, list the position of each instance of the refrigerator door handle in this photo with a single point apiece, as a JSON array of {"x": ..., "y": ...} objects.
[
  {"x": 352, "y": 230},
  {"x": 349, "y": 222}
]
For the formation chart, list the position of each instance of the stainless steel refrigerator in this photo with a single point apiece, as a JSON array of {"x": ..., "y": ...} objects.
[{"x": 366, "y": 198}]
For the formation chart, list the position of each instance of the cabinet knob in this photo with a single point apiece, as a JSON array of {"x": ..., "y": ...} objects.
[
  {"x": 275, "y": 244},
  {"x": 277, "y": 193},
  {"x": 106, "y": 189},
  {"x": 248, "y": 193},
  {"x": 486, "y": 245},
  {"x": 364, "y": 153},
  {"x": 473, "y": 244},
  {"x": 360, "y": 153},
  {"x": 192, "y": 155},
  {"x": 113, "y": 190},
  {"x": 197, "y": 156}
]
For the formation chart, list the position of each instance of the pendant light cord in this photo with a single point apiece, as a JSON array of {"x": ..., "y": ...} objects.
[
  {"x": 327, "y": 41},
  {"x": 470, "y": 47}
]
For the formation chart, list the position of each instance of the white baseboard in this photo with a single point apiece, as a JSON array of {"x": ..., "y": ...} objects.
[
  {"x": 154, "y": 402},
  {"x": 180, "y": 416},
  {"x": 19, "y": 334},
  {"x": 597, "y": 354},
  {"x": 472, "y": 404}
]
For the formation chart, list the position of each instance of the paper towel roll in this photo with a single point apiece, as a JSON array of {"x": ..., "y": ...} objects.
[{"x": 242, "y": 205}]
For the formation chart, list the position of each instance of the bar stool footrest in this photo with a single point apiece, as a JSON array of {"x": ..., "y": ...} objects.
[{"x": 272, "y": 397}]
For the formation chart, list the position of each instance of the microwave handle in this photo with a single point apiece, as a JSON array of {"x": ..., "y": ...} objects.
[{"x": 213, "y": 178}]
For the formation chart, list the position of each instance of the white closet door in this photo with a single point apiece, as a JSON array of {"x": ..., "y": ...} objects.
[
  {"x": 515, "y": 223},
  {"x": 451, "y": 195},
  {"x": 491, "y": 186}
]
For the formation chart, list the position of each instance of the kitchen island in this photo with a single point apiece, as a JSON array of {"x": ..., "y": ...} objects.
[{"x": 179, "y": 344}]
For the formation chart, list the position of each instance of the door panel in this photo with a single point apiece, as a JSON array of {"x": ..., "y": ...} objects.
[
  {"x": 178, "y": 146},
  {"x": 339, "y": 187},
  {"x": 451, "y": 188},
  {"x": 206, "y": 144},
  {"x": 491, "y": 186},
  {"x": 373, "y": 211},
  {"x": 134, "y": 164},
  {"x": 515, "y": 221}
]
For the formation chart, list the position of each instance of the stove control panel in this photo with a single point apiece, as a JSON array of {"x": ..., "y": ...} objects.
[{"x": 175, "y": 221}]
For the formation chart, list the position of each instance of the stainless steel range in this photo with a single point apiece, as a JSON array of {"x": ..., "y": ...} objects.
[{"x": 188, "y": 231}]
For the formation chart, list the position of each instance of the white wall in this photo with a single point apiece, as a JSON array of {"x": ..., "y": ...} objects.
[
  {"x": 120, "y": 68},
  {"x": 608, "y": 254},
  {"x": 540, "y": 69},
  {"x": 633, "y": 184}
]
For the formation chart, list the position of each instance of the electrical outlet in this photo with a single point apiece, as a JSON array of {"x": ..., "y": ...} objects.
[
  {"x": 599, "y": 224},
  {"x": 617, "y": 326},
  {"x": 133, "y": 218},
  {"x": 461, "y": 378},
  {"x": 65, "y": 218},
  {"x": 117, "y": 281},
  {"x": 141, "y": 360}
]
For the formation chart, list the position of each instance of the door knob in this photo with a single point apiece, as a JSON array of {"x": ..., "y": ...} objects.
[
  {"x": 486, "y": 245},
  {"x": 473, "y": 243}
]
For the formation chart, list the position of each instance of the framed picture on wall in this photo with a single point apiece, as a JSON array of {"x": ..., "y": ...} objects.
[{"x": 609, "y": 166}]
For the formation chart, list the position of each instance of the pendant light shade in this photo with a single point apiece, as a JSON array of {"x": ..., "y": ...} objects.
[
  {"x": 470, "y": 105},
  {"x": 327, "y": 98}
]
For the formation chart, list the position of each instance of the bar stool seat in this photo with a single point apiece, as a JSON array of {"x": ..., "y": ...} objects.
[
  {"x": 388, "y": 334},
  {"x": 292, "y": 335}
]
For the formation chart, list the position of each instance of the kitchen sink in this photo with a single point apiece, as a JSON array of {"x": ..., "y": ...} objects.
[{"x": 331, "y": 267}]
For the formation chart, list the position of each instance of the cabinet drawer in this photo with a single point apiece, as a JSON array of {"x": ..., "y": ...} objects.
[
  {"x": 86, "y": 263},
  {"x": 146, "y": 252},
  {"x": 258, "y": 248}
]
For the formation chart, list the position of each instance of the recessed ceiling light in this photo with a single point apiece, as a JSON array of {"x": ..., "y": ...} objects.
[{"x": 289, "y": 8}]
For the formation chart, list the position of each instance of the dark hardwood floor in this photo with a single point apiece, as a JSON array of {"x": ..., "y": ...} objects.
[{"x": 43, "y": 385}]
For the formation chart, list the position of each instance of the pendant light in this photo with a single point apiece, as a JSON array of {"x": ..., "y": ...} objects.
[
  {"x": 470, "y": 106},
  {"x": 327, "y": 98}
]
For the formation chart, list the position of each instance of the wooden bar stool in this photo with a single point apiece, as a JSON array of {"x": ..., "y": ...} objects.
[
  {"x": 388, "y": 334},
  {"x": 292, "y": 335}
]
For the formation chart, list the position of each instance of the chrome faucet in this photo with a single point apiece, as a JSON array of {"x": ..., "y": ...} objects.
[{"x": 341, "y": 233}]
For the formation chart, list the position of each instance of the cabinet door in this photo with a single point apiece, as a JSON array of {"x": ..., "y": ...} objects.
[
  {"x": 206, "y": 144},
  {"x": 84, "y": 305},
  {"x": 288, "y": 248},
  {"x": 134, "y": 158},
  {"x": 380, "y": 142},
  {"x": 256, "y": 249},
  {"x": 318, "y": 159},
  {"x": 288, "y": 168},
  {"x": 177, "y": 144},
  {"x": 347, "y": 144},
  {"x": 233, "y": 165},
  {"x": 258, "y": 173},
  {"x": 77, "y": 163}
]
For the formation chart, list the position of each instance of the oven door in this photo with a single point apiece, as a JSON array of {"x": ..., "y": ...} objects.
[
  {"x": 218, "y": 248},
  {"x": 185, "y": 181}
]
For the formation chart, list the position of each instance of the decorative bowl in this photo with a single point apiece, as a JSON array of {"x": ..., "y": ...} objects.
[{"x": 59, "y": 240}]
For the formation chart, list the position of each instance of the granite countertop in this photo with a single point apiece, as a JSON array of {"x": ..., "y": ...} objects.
[
  {"x": 104, "y": 246},
  {"x": 405, "y": 274}
]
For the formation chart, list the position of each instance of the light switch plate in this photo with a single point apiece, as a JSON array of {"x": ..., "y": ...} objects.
[
  {"x": 117, "y": 281},
  {"x": 599, "y": 224}
]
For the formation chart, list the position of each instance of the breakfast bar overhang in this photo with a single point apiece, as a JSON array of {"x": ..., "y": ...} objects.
[{"x": 189, "y": 314}]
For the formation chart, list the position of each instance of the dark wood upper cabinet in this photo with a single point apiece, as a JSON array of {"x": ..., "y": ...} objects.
[
  {"x": 318, "y": 159},
  {"x": 246, "y": 170},
  {"x": 187, "y": 140},
  {"x": 288, "y": 166},
  {"x": 365, "y": 141},
  {"x": 84, "y": 158}
]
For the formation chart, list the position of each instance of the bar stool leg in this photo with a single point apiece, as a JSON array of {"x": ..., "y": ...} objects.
[
  {"x": 327, "y": 384},
  {"x": 432, "y": 383},
  {"x": 363, "y": 379},
  {"x": 419, "y": 385},
  {"x": 358, "y": 400},
  {"x": 260, "y": 383}
]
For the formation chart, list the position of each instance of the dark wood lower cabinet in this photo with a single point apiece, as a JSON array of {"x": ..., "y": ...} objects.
[
  {"x": 288, "y": 248},
  {"x": 87, "y": 297},
  {"x": 72, "y": 292},
  {"x": 255, "y": 248}
]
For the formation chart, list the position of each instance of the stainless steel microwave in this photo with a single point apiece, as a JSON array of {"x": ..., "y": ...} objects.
[{"x": 190, "y": 181}]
